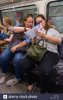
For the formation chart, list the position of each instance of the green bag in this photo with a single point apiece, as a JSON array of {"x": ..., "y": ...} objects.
[{"x": 36, "y": 51}]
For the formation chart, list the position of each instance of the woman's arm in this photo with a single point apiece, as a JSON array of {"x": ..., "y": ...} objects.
[
  {"x": 2, "y": 42},
  {"x": 19, "y": 29},
  {"x": 9, "y": 39},
  {"x": 25, "y": 42},
  {"x": 54, "y": 40},
  {"x": 13, "y": 49},
  {"x": 49, "y": 38}
]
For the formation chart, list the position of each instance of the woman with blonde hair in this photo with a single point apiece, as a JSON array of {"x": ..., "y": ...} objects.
[{"x": 5, "y": 30}]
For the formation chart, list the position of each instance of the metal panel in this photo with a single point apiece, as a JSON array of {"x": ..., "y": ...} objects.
[
  {"x": 20, "y": 8},
  {"x": 4, "y": 1}
]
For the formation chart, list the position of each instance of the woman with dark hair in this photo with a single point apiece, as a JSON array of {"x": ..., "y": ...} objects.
[{"x": 52, "y": 39}]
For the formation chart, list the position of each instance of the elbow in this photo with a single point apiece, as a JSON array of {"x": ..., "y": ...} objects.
[{"x": 59, "y": 41}]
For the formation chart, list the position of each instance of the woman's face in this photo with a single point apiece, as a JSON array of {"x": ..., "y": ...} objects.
[
  {"x": 40, "y": 20},
  {"x": 4, "y": 22},
  {"x": 29, "y": 22}
]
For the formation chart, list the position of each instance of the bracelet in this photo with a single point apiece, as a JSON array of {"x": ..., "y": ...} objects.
[{"x": 24, "y": 28}]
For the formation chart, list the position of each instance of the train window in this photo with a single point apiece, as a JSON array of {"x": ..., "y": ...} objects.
[
  {"x": 55, "y": 12},
  {"x": 20, "y": 12}
]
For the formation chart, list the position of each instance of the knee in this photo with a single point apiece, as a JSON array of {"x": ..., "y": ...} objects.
[{"x": 17, "y": 59}]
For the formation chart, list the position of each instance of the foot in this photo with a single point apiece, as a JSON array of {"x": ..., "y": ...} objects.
[
  {"x": 31, "y": 88},
  {"x": 12, "y": 82},
  {"x": 3, "y": 78}
]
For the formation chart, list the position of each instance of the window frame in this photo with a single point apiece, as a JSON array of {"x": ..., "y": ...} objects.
[
  {"x": 47, "y": 10},
  {"x": 20, "y": 8},
  {"x": 47, "y": 7}
]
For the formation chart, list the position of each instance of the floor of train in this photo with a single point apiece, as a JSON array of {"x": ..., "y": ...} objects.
[
  {"x": 22, "y": 87},
  {"x": 18, "y": 88}
]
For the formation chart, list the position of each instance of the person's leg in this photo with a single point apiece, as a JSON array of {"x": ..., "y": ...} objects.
[
  {"x": 18, "y": 69},
  {"x": 17, "y": 63},
  {"x": 27, "y": 65},
  {"x": 46, "y": 66},
  {"x": 4, "y": 61}
]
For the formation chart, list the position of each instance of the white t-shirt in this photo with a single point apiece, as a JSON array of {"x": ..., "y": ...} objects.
[{"x": 50, "y": 46}]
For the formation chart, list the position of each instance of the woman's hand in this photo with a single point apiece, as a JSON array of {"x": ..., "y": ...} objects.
[
  {"x": 13, "y": 49},
  {"x": 26, "y": 29},
  {"x": 41, "y": 35},
  {"x": 33, "y": 40}
]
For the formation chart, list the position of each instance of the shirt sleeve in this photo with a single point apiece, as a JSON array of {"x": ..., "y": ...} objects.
[
  {"x": 27, "y": 40},
  {"x": 53, "y": 32}
]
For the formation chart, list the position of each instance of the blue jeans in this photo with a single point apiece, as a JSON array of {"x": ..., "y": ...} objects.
[
  {"x": 3, "y": 36},
  {"x": 6, "y": 57}
]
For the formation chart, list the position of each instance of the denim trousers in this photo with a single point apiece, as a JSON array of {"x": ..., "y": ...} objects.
[
  {"x": 3, "y": 36},
  {"x": 16, "y": 58}
]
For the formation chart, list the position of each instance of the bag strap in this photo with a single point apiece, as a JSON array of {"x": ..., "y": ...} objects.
[{"x": 43, "y": 40}]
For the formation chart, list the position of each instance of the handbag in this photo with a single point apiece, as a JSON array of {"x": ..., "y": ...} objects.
[{"x": 36, "y": 52}]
